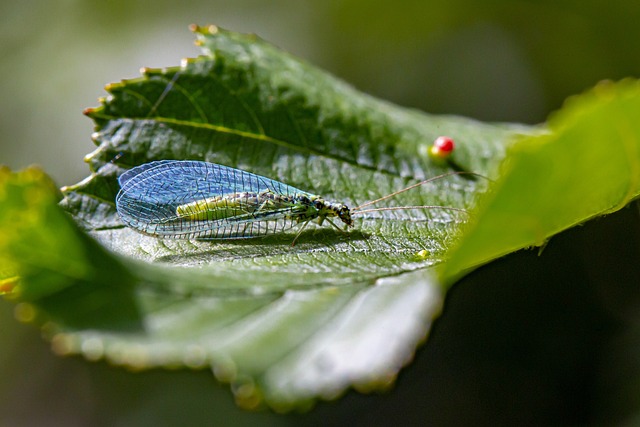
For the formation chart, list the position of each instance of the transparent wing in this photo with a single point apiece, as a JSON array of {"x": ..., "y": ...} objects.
[
  {"x": 247, "y": 229},
  {"x": 152, "y": 194}
]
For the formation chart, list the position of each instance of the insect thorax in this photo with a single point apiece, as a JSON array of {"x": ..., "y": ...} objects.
[{"x": 315, "y": 207}]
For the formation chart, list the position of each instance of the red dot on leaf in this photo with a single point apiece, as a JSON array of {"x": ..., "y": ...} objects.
[
  {"x": 441, "y": 148},
  {"x": 444, "y": 144}
]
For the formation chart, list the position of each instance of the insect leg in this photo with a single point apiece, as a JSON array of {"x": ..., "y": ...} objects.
[
  {"x": 299, "y": 233},
  {"x": 338, "y": 228}
]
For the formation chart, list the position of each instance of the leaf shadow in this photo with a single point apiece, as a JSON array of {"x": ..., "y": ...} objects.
[{"x": 273, "y": 245}]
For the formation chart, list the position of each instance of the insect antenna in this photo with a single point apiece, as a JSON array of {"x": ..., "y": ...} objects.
[
  {"x": 164, "y": 93},
  {"x": 402, "y": 208},
  {"x": 161, "y": 98},
  {"x": 359, "y": 210}
]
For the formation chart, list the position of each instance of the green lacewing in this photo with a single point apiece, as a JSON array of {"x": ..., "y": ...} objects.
[{"x": 185, "y": 199}]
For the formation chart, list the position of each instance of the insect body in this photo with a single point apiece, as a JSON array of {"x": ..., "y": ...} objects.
[{"x": 200, "y": 200}]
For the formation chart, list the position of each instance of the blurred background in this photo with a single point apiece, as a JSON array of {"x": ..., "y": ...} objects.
[
  {"x": 494, "y": 60},
  {"x": 497, "y": 60}
]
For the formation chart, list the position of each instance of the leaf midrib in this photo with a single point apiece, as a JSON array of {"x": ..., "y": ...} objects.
[{"x": 254, "y": 136}]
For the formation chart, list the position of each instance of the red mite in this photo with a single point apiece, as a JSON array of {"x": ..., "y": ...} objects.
[{"x": 442, "y": 147}]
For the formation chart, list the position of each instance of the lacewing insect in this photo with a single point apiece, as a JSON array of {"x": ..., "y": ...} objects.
[{"x": 199, "y": 200}]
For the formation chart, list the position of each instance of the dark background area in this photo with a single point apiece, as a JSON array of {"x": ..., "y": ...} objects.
[{"x": 531, "y": 339}]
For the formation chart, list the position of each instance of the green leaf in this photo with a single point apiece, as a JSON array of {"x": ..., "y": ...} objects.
[
  {"x": 54, "y": 265},
  {"x": 586, "y": 164},
  {"x": 284, "y": 325}
]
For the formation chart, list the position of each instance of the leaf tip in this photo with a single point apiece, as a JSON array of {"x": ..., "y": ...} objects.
[
  {"x": 90, "y": 111},
  {"x": 9, "y": 285},
  {"x": 109, "y": 87},
  {"x": 204, "y": 30},
  {"x": 150, "y": 71}
]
